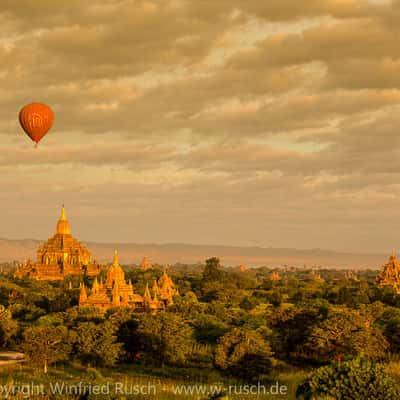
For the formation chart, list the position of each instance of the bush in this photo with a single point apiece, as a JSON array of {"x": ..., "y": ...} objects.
[{"x": 358, "y": 379}]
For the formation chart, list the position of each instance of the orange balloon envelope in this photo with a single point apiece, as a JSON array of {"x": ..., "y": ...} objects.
[{"x": 36, "y": 120}]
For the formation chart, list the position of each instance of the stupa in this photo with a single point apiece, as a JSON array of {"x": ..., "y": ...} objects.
[{"x": 60, "y": 256}]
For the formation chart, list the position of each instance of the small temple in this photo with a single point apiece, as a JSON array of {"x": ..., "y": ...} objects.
[
  {"x": 274, "y": 276},
  {"x": 59, "y": 256},
  {"x": 315, "y": 276},
  {"x": 351, "y": 275},
  {"x": 146, "y": 264},
  {"x": 116, "y": 292},
  {"x": 390, "y": 274}
]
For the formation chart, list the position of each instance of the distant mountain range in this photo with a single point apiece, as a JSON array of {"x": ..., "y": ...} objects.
[{"x": 131, "y": 253}]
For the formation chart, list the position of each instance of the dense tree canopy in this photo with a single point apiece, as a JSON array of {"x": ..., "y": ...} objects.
[{"x": 240, "y": 324}]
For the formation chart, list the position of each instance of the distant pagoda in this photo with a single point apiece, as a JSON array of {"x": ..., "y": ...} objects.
[
  {"x": 146, "y": 264},
  {"x": 274, "y": 276},
  {"x": 60, "y": 256},
  {"x": 243, "y": 268},
  {"x": 390, "y": 274},
  {"x": 351, "y": 275},
  {"x": 116, "y": 292}
]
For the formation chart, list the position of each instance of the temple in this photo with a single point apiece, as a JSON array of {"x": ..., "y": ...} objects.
[
  {"x": 146, "y": 264},
  {"x": 60, "y": 256},
  {"x": 274, "y": 276},
  {"x": 390, "y": 274},
  {"x": 116, "y": 292}
]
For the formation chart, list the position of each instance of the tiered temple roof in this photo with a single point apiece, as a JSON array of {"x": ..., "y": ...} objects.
[
  {"x": 390, "y": 274},
  {"x": 61, "y": 255},
  {"x": 115, "y": 292}
]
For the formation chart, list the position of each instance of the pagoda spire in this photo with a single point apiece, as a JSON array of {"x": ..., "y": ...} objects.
[
  {"x": 115, "y": 262},
  {"x": 63, "y": 227},
  {"x": 147, "y": 295},
  {"x": 63, "y": 215},
  {"x": 156, "y": 289},
  {"x": 82, "y": 294}
]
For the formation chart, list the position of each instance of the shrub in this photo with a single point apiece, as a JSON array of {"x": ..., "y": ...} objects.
[{"x": 358, "y": 379}]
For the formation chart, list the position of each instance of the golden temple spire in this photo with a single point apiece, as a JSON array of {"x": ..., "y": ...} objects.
[
  {"x": 156, "y": 289},
  {"x": 82, "y": 294},
  {"x": 116, "y": 262},
  {"x": 147, "y": 295},
  {"x": 63, "y": 215},
  {"x": 63, "y": 227}
]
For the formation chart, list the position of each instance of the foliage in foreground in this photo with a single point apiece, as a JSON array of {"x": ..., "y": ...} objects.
[{"x": 358, "y": 379}]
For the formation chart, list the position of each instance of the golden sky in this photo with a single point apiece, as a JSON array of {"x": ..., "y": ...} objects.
[{"x": 243, "y": 122}]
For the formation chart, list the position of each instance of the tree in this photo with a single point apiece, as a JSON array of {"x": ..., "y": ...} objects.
[
  {"x": 249, "y": 303},
  {"x": 212, "y": 270},
  {"x": 26, "y": 311},
  {"x": 75, "y": 315},
  {"x": 292, "y": 328},
  {"x": 46, "y": 344},
  {"x": 347, "y": 333},
  {"x": 63, "y": 300},
  {"x": 208, "y": 329},
  {"x": 275, "y": 298},
  {"x": 8, "y": 326},
  {"x": 390, "y": 322},
  {"x": 95, "y": 344},
  {"x": 244, "y": 354},
  {"x": 358, "y": 379},
  {"x": 126, "y": 323},
  {"x": 166, "y": 337}
]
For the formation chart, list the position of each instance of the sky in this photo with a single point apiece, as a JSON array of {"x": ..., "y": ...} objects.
[{"x": 240, "y": 122}]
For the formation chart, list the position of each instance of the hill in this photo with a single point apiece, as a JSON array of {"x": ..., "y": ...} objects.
[{"x": 186, "y": 253}]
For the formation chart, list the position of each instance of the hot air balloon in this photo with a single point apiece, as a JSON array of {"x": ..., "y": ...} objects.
[{"x": 36, "y": 120}]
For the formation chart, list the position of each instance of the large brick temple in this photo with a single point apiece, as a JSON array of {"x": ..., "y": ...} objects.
[{"x": 60, "y": 256}]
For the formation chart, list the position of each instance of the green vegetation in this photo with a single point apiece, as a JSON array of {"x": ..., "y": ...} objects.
[
  {"x": 317, "y": 334},
  {"x": 358, "y": 379}
]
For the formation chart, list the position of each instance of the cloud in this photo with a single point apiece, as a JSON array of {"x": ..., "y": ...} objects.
[{"x": 243, "y": 122}]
